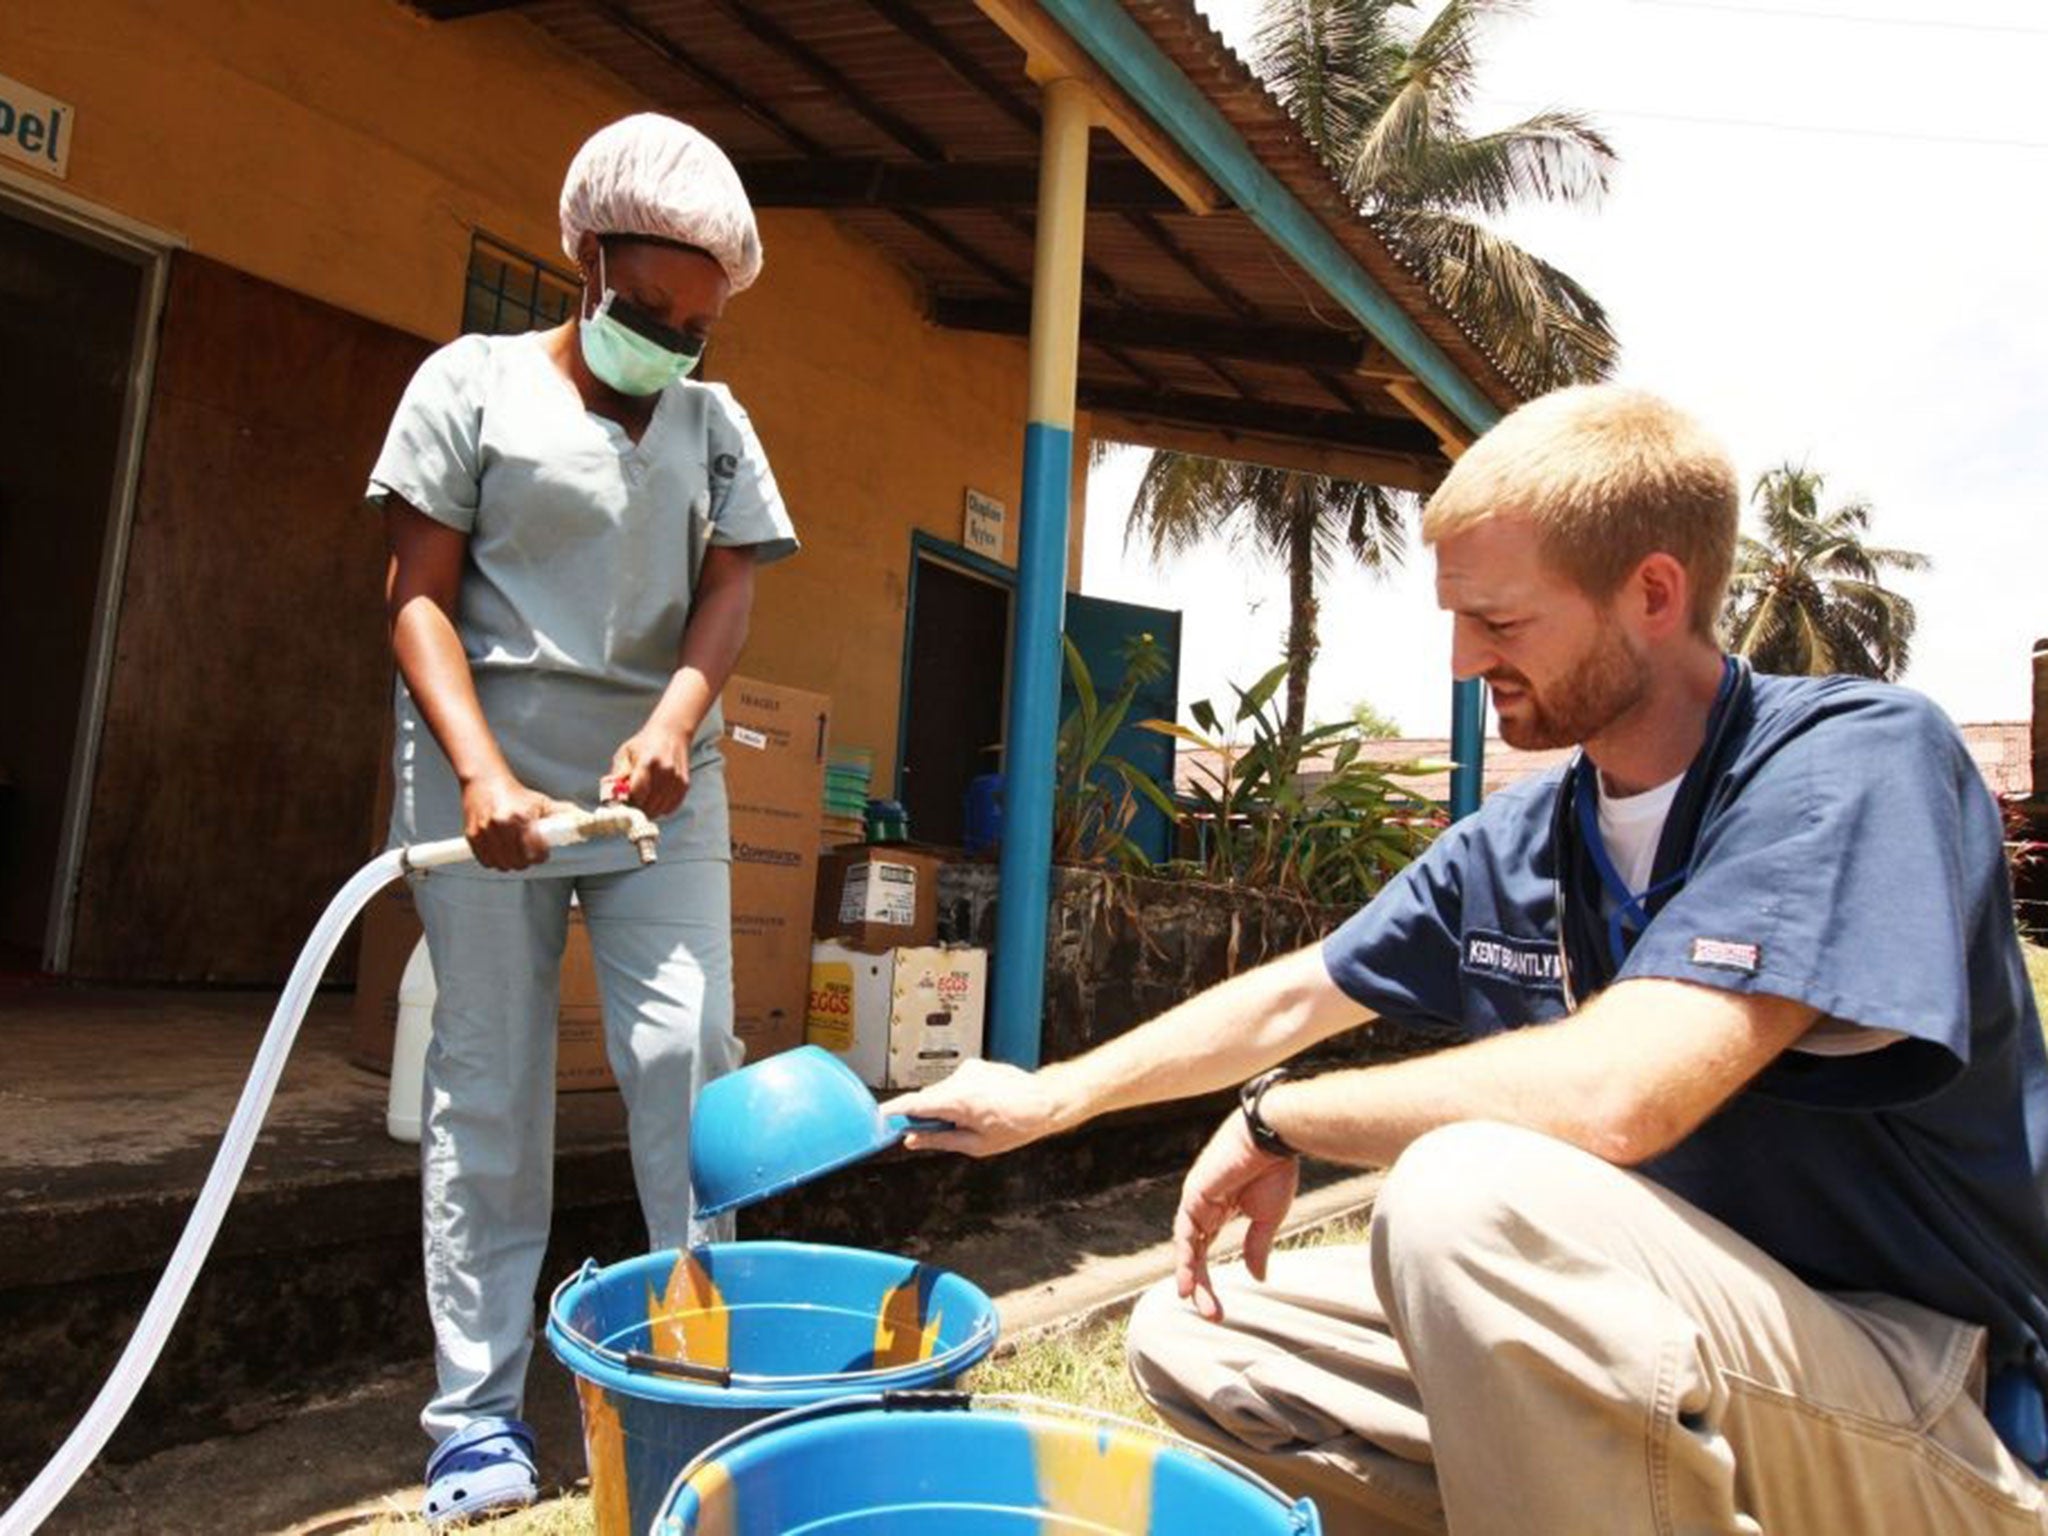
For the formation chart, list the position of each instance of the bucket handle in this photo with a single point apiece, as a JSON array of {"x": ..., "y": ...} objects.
[{"x": 669, "y": 1365}]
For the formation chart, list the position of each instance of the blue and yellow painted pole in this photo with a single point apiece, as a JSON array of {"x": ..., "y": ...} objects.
[{"x": 1029, "y": 745}]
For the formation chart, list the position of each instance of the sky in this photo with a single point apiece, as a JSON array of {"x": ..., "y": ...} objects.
[{"x": 1825, "y": 237}]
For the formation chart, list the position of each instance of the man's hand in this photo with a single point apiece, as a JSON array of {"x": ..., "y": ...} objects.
[
  {"x": 498, "y": 816},
  {"x": 1231, "y": 1177},
  {"x": 656, "y": 767},
  {"x": 991, "y": 1107}
]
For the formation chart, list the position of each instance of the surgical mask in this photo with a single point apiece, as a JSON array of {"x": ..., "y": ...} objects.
[{"x": 622, "y": 354}]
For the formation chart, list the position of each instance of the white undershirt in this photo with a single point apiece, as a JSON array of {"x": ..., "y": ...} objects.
[{"x": 1630, "y": 828}]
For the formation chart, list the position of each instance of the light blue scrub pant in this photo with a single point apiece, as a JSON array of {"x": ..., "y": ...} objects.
[{"x": 661, "y": 937}]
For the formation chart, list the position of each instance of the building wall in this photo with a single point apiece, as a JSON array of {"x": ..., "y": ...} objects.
[
  {"x": 329, "y": 165},
  {"x": 344, "y": 150}
]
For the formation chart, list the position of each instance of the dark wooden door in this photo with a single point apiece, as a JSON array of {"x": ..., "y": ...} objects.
[
  {"x": 953, "y": 706},
  {"x": 252, "y": 677}
]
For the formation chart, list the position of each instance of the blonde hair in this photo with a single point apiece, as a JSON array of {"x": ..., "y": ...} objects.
[{"x": 1608, "y": 476}]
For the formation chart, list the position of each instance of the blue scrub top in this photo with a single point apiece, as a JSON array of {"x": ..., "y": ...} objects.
[{"x": 1839, "y": 848}]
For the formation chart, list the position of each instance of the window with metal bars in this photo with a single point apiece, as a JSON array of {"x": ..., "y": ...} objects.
[{"x": 510, "y": 291}]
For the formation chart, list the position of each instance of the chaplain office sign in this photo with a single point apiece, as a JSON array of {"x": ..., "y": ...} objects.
[{"x": 34, "y": 129}]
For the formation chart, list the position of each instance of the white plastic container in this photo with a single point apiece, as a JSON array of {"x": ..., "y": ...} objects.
[{"x": 409, "y": 1046}]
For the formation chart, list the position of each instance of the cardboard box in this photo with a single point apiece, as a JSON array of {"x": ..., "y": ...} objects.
[
  {"x": 775, "y": 774},
  {"x": 391, "y": 927},
  {"x": 877, "y": 896},
  {"x": 902, "y": 1018},
  {"x": 775, "y": 741}
]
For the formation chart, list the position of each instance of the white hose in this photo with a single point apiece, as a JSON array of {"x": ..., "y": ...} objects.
[
  {"x": 28, "y": 1512},
  {"x": 118, "y": 1395}
]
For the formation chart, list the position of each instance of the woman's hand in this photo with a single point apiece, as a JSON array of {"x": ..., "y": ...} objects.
[
  {"x": 499, "y": 816},
  {"x": 1231, "y": 1177},
  {"x": 655, "y": 766}
]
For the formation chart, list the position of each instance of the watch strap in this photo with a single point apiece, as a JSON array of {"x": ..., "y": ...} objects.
[{"x": 1249, "y": 1100}]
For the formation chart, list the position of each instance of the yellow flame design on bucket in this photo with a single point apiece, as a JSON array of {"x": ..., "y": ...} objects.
[
  {"x": 689, "y": 1320},
  {"x": 902, "y": 1336},
  {"x": 1104, "y": 1476},
  {"x": 604, "y": 1448},
  {"x": 717, "y": 1503}
]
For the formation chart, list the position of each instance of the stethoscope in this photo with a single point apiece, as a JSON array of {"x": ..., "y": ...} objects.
[{"x": 1578, "y": 816}]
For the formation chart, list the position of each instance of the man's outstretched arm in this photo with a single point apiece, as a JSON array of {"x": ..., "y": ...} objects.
[
  {"x": 1214, "y": 1040},
  {"x": 1628, "y": 1076}
]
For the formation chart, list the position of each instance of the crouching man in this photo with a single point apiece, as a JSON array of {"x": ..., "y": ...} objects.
[{"x": 1728, "y": 1212}]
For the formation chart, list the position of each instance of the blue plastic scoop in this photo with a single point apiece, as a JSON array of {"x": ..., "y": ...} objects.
[{"x": 782, "y": 1122}]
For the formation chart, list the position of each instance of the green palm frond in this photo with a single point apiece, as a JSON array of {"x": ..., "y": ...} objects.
[
  {"x": 1381, "y": 88},
  {"x": 1808, "y": 597},
  {"x": 1382, "y": 92},
  {"x": 1546, "y": 329},
  {"x": 1553, "y": 157}
]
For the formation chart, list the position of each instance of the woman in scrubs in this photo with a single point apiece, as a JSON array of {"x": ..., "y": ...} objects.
[{"x": 574, "y": 527}]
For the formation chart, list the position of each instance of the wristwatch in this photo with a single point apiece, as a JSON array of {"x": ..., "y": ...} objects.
[{"x": 1264, "y": 1137}]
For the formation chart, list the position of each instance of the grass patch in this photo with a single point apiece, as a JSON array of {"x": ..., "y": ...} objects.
[
  {"x": 2037, "y": 973},
  {"x": 566, "y": 1516},
  {"x": 1085, "y": 1365}
]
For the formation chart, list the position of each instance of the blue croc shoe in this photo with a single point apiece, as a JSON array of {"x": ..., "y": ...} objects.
[{"x": 485, "y": 1467}]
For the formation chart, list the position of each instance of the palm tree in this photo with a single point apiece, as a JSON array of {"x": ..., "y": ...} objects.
[
  {"x": 1384, "y": 101},
  {"x": 1306, "y": 520},
  {"x": 1386, "y": 106},
  {"x": 1806, "y": 598}
]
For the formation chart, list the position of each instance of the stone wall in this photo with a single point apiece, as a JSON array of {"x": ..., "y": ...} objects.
[{"x": 2040, "y": 720}]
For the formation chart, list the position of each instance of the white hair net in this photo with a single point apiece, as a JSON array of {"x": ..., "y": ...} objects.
[{"x": 651, "y": 175}]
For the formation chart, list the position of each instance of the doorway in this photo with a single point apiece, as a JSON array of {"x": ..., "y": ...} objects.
[
  {"x": 73, "y": 322},
  {"x": 956, "y": 682}
]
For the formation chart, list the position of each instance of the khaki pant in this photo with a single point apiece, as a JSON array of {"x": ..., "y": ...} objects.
[{"x": 1537, "y": 1343}]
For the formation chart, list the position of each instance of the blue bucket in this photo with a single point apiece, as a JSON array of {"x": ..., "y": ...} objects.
[
  {"x": 674, "y": 1351},
  {"x": 945, "y": 1464},
  {"x": 982, "y": 813}
]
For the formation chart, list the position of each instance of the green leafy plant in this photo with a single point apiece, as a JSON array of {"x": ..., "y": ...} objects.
[
  {"x": 1097, "y": 794},
  {"x": 1301, "y": 812}
]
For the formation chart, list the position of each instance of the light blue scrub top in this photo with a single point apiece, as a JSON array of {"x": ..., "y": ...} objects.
[{"x": 584, "y": 547}]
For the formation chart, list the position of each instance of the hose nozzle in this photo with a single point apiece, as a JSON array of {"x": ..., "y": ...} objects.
[
  {"x": 562, "y": 830},
  {"x": 630, "y": 822}
]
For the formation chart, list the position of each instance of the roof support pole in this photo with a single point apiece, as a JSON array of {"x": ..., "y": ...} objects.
[
  {"x": 1120, "y": 47},
  {"x": 1025, "y": 887},
  {"x": 1468, "y": 745}
]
